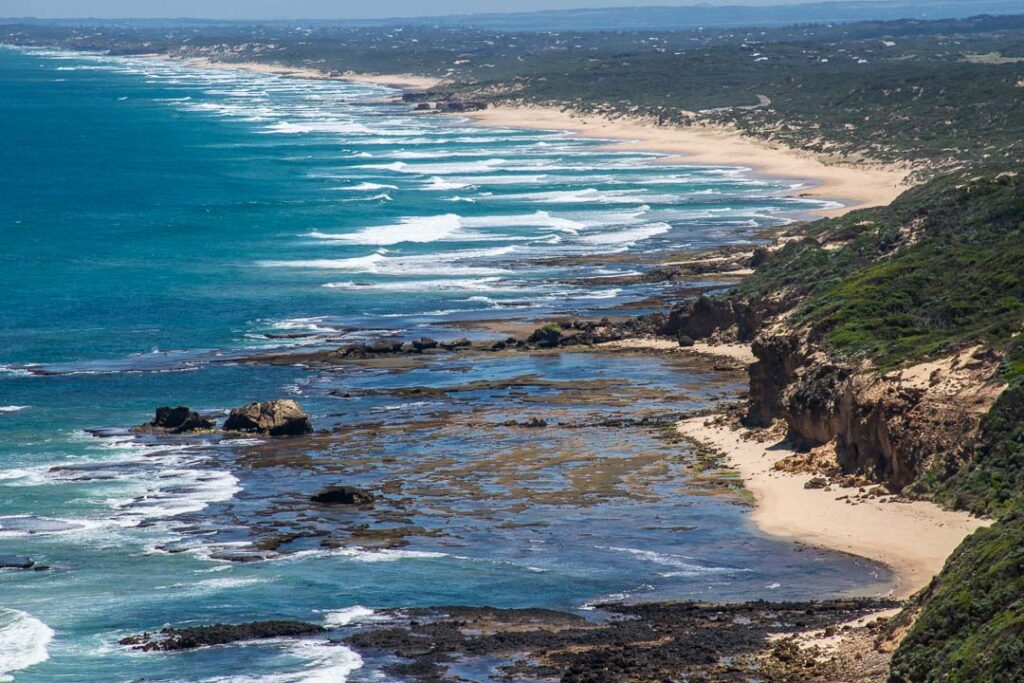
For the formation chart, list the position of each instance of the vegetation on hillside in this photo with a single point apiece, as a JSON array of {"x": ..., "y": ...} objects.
[
  {"x": 990, "y": 479},
  {"x": 970, "y": 625},
  {"x": 939, "y": 269},
  {"x": 942, "y": 94}
]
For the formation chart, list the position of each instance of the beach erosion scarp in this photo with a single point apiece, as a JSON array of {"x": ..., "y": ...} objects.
[{"x": 913, "y": 538}]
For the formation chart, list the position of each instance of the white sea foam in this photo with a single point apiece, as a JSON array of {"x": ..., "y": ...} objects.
[
  {"x": 179, "y": 492},
  {"x": 24, "y": 642},
  {"x": 368, "y": 187},
  {"x": 437, "y": 184},
  {"x": 683, "y": 565},
  {"x": 539, "y": 219},
  {"x": 487, "y": 284},
  {"x": 289, "y": 128},
  {"x": 351, "y": 615},
  {"x": 627, "y": 237},
  {"x": 442, "y": 169},
  {"x": 13, "y": 409},
  {"x": 322, "y": 663},
  {"x": 442, "y": 263},
  {"x": 362, "y": 555},
  {"x": 588, "y": 195},
  {"x": 413, "y": 229},
  {"x": 14, "y": 371}
]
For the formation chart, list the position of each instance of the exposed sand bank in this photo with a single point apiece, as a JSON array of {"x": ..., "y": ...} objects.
[
  {"x": 856, "y": 186},
  {"x": 912, "y": 538}
]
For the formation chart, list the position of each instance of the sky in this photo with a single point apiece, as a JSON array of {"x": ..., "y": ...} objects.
[{"x": 310, "y": 9}]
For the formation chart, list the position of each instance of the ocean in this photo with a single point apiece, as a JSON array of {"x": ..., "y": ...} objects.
[{"x": 163, "y": 223}]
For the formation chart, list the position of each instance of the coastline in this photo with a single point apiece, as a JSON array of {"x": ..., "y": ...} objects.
[
  {"x": 855, "y": 185},
  {"x": 912, "y": 538},
  {"x": 403, "y": 81}
]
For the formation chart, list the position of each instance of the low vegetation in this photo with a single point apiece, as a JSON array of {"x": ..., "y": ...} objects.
[
  {"x": 939, "y": 269},
  {"x": 970, "y": 625}
]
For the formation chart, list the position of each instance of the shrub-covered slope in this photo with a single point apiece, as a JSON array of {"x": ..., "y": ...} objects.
[
  {"x": 941, "y": 268},
  {"x": 971, "y": 623}
]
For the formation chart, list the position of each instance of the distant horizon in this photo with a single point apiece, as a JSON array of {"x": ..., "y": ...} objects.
[{"x": 323, "y": 10}]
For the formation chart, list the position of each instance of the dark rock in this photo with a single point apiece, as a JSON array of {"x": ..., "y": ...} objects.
[
  {"x": 172, "y": 639},
  {"x": 460, "y": 343},
  {"x": 179, "y": 420},
  {"x": 778, "y": 358},
  {"x": 16, "y": 562},
  {"x": 816, "y": 483},
  {"x": 424, "y": 343},
  {"x": 344, "y": 495},
  {"x": 277, "y": 418},
  {"x": 546, "y": 337},
  {"x": 352, "y": 351},
  {"x": 384, "y": 346},
  {"x": 759, "y": 257},
  {"x": 701, "y": 317},
  {"x": 685, "y": 341}
]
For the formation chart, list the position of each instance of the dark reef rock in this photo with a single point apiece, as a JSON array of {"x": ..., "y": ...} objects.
[
  {"x": 282, "y": 417},
  {"x": 546, "y": 337},
  {"x": 650, "y": 642},
  {"x": 344, "y": 495},
  {"x": 384, "y": 346},
  {"x": 172, "y": 639},
  {"x": 460, "y": 343},
  {"x": 178, "y": 421},
  {"x": 424, "y": 344},
  {"x": 16, "y": 562}
]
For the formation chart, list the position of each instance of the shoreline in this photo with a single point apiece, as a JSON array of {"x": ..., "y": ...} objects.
[
  {"x": 856, "y": 186},
  {"x": 401, "y": 81},
  {"x": 912, "y": 538}
]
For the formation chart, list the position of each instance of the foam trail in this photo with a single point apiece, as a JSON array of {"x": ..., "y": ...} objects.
[
  {"x": 24, "y": 642},
  {"x": 417, "y": 229}
]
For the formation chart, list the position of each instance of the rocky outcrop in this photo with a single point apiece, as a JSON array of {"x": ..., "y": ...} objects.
[
  {"x": 177, "y": 421},
  {"x": 891, "y": 428},
  {"x": 344, "y": 495},
  {"x": 778, "y": 358},
  {"x": 705, "y": 316},
  {"x": 810, "y": 403},
  {"x": 16, "y": 562},
  {"x": 276, "y": 418},
  {"x": 172, "y": 639},
  {"x": 701, "y": 317}
]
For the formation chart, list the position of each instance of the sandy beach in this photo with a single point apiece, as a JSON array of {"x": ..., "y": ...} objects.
[
  {"x": 852, "y": 185},
  {"x": 855, "y": 186},
  {"x": 911, "y": 538}
]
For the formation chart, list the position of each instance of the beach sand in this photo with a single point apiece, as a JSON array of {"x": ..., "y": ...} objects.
[
  {"x": 912, "y": 538},
  {"x": 854, "y": 185}
]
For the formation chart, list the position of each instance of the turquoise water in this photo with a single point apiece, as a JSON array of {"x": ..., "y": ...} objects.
[{"x": 159, "y": 220}]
